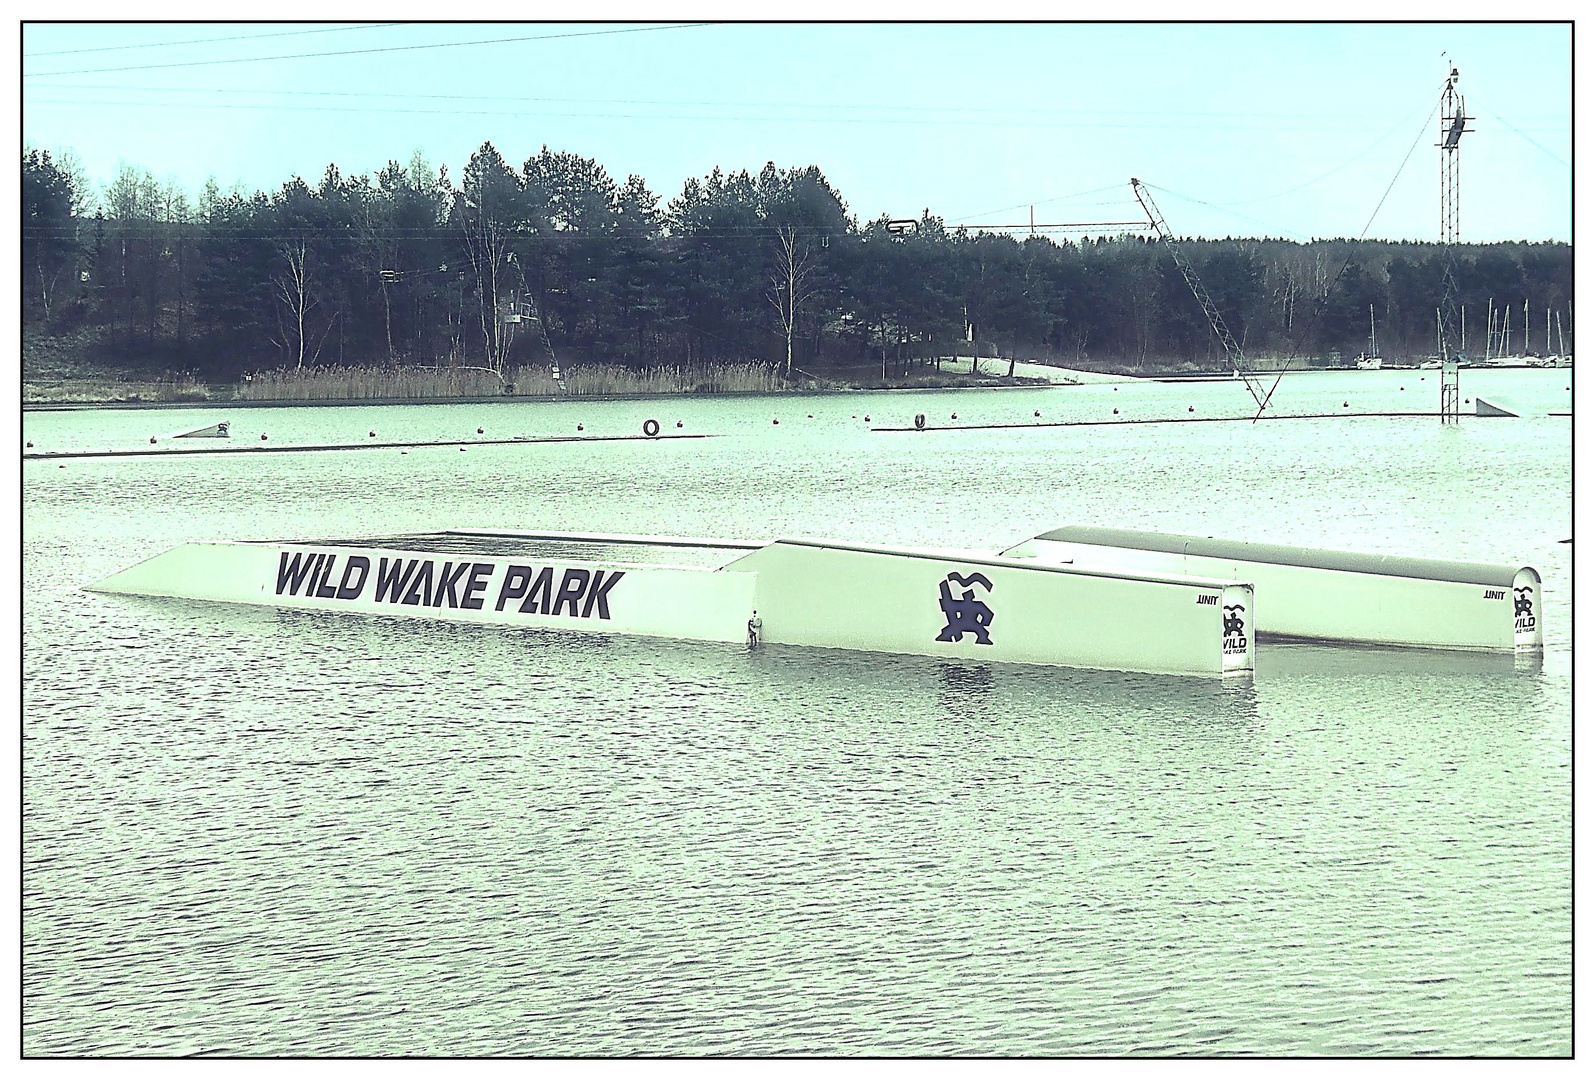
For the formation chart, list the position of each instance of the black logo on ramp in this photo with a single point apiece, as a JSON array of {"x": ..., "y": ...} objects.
[{"x": 965, "y": 614}]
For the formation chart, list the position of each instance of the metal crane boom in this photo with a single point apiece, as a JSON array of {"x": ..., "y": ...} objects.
[{"x": 1215, "y": 319}]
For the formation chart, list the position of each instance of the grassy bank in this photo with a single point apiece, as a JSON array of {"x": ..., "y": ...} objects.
[{"x": 82, "y": 369}]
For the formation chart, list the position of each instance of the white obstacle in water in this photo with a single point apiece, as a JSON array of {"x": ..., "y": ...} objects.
[
  {"x": 214, "y": 431},
  {"x": 1316, "y": 594},
  {"x": 944, "y": 603}
]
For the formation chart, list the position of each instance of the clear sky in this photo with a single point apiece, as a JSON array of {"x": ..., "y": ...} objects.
[{"x": 1293, "y": 130}]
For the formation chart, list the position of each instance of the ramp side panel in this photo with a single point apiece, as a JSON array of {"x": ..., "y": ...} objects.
[
  {"x": 1340, "y": 605},
  {"x": 1248, "y": 551},
  {"x": 1528, "y": 626},
  {"x": 703, "y": 605},
  {"x": 937, "y": 605}
]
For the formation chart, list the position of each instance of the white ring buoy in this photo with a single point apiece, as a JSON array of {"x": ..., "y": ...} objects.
[{"x": 650, "y": 428}]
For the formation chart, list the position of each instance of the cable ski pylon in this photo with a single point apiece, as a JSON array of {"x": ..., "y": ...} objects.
[
  {"x": 1453, "y": 125},
  {"x": 1215, "y": 318}
]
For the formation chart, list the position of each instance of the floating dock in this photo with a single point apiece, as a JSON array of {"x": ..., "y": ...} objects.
[
  {"x": 298, "y": 448},
  {"x": 1321, "y": 595},
  {"x": 956, "y": 604},
  {"x": 1124, "y": 421}
]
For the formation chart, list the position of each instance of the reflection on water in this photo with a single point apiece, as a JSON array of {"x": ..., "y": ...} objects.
[
  {"x": 258, "y": 831},
  {"x": 1299, "y": 658}
]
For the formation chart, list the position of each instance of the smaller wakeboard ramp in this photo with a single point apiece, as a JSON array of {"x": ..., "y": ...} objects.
[{"x": 1323, "y": 595}]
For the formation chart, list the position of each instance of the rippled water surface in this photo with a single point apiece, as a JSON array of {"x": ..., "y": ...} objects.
[{"x": 259, "y": 832}]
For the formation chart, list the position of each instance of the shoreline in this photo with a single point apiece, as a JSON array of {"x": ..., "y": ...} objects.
[
  {"x": 1055, "y": 378},
  {"x": 281, "y": 403}
]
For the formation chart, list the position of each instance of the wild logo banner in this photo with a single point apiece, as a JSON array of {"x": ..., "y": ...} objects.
[
  {"x": 965, "y": 614},
  {"x": 1523, "y": 609},
  {"x": 1234, "y": 629}
]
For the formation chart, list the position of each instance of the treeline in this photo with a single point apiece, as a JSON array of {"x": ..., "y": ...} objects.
[{"x": 508, "y": 265}]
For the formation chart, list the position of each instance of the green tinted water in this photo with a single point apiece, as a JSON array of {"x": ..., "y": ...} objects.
[{"x": 249, "y": 831}]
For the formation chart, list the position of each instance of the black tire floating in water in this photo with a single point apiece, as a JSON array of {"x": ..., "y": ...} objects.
[
  {"x": 919, "y": 421},
  {"x": 650, "y": 428}
]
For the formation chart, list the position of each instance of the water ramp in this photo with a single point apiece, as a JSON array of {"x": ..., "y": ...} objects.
[
  {"x": 956, "y": 604},
  {"x": 1490, "y": 408},
  {"x": 214, "y": 431},
  {"x": 1322, "y": 595}
]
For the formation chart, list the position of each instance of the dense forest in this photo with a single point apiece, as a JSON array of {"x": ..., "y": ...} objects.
[{"x": 506, "y": 264}]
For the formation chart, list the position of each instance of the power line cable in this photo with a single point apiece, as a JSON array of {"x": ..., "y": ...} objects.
[
  {"x": 934, "y": 121},
  {"x": 207, "y": 41},
  {"x": 1344, "y": 164},
  {"x": 367, "y": 52},
  {"x": 1178, "y": 118},
  {"x": 1038, "y": 202},
  {"x": 1221, "y": 208},
  {"x": 1528, "y": 140},
  {"x": 1323, "y": 303}
]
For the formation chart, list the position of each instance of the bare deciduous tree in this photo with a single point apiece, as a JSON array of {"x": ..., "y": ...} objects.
[
  {"x": 292, "y": 282},
  {"x": 788, "y": 286}
]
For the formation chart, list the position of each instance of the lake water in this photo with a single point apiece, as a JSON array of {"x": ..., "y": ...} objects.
[{"x": 259, "y": 832}]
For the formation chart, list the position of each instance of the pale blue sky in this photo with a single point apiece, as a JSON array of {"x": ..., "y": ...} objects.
[{"x": 1242, "y": 129}]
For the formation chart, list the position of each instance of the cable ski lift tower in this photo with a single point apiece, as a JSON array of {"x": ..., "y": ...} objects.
[
  {"x": 1215, "y": 319},
  {"x": 1453, "y": 125}
]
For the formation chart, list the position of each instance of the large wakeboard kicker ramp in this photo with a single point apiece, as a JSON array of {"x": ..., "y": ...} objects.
[{"x": 1081, "y": 597}]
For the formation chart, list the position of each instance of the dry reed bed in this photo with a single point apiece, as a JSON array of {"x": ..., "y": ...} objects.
[
  {"x": 97, "y": 391},
  {"x": 336, "y": 383}
]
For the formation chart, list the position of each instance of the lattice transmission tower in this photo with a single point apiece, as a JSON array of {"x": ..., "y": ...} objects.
[{"x": 1453, "y": 125}]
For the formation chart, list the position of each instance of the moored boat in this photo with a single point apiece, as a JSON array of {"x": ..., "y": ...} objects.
[{"x": 1369, "y": 360}]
